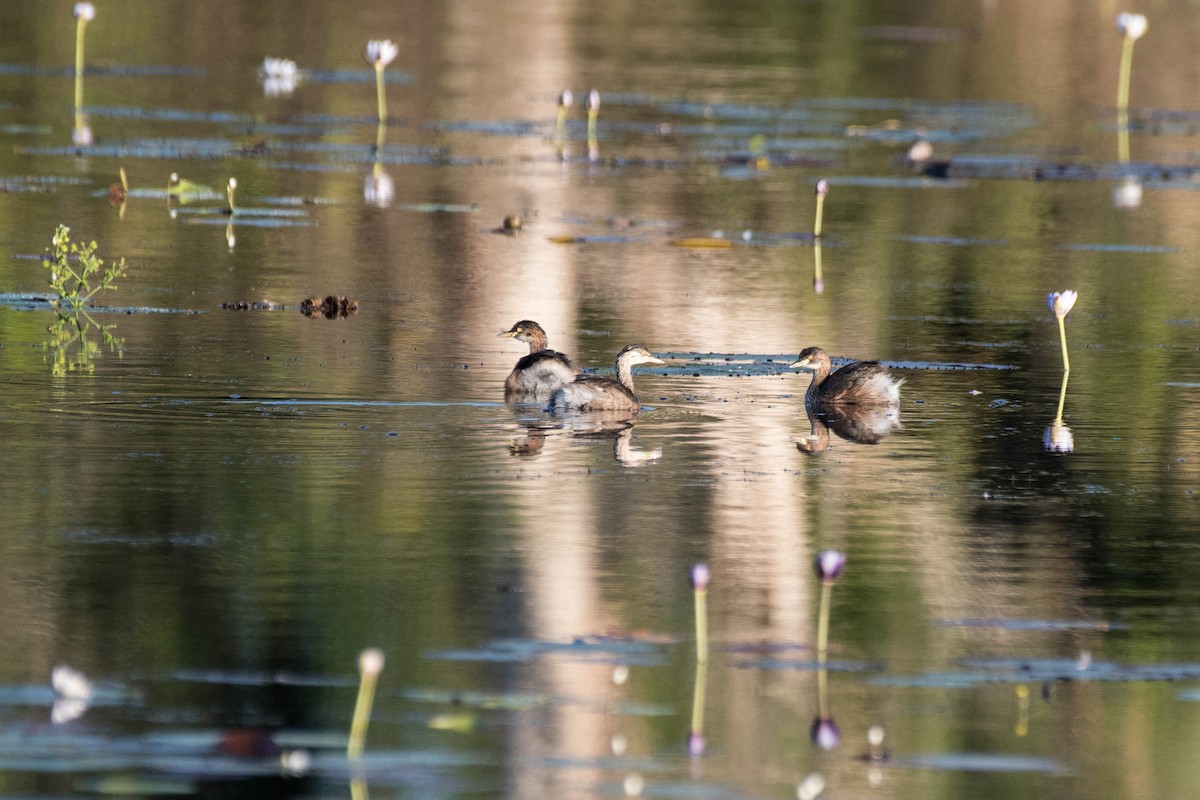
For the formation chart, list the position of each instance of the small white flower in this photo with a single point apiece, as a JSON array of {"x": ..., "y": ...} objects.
[
  {"x": 381, "y": 52},
  {"x": 1128, "y": 193},
  {"x": 593, "y": 102},
  {"x": 279, "y": 77},
  {"x": 85, "y": 11},
  {"x": 279, "y": 68},
  {"x": 1062, "y": 302},
  {"x": 378, "y": 189},
  {"x": 81, "y": 135},
  {"x": 566, "y": 99},
  {"x": 70, "y": 684},
  {"x": 1058, "y": 438},
  {"x": 370, "y": 661},
  {"x": 1132, "y": 26}
]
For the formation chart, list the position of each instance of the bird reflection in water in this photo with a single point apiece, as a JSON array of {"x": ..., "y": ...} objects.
[
  {"x": 858, "y": 424},
  {"x": 588, "y": 426}
]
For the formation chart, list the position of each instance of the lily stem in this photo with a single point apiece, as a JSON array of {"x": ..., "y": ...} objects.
[
  {"x": 80, "y": 26},
  {"x": 362, "y": 715},
  {"x": 1062, "y": 335},
  {"x": 823, "y": 622},
  {"x": 1123, "y": 100}
]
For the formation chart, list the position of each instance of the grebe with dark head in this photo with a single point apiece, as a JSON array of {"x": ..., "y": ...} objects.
[
  {"x": 598, "y": 393},
  {"x": 537, "y": 375},
  {"x": 863, "y": 383}
]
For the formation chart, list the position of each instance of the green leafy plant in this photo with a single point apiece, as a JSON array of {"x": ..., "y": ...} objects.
[
  {"x": 73, "y": 267},
  {"x": 76, "y": 275}
]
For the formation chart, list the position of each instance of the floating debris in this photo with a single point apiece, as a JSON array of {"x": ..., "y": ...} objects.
[
  {"x": 251, "y": 305},
  {"x": 330, "y": 308}
]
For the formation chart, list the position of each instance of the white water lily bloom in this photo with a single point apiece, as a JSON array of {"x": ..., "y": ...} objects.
[
  {"x": 81, "y": 135},
  {"x": 85, "y": 11},
  {"x": 1062, "y": 302},
  {"x": 381, "y": 52},
  {"x": 378, "y": 189},
  {"x": 70, "y": 684},
  {"x": 1132, "y": 26},
  {"x": 279, "y": 68},
  {"x": 1128, "y": 193},
  {"x": 1057, "y": 438}
]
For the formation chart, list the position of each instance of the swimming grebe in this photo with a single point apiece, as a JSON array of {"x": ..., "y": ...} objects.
[
  {"x": 864, "y": 383},
  {"x": 597, "y": 393},
  {"x": 537, "y": 375}
]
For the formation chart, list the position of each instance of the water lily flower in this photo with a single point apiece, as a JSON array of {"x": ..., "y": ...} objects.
[
  {"x": 70, "y": 683},
  {"x": 378, "y": 188},
  {"x": 84, "y": 13},
  {"x": 72, "y": 694},
  {"x": 1062, "y": 302},
  {"x": 1128, "y": 193},
  {"x": 699, "y": 578},
  {"x": 81, "y": 135},
  {"x": 1058, "y": 438},
  {"x": 565, "y": 100},
  {"x": 822, "y": 191},
  {"x": 370, "y": 664},
  {"x": 279, "y": 76},
  {"x": 1132, "y": 26},
  {"x": 829, "y": 564},
  {"x": 381, "y": 52},
  {"x": 811, "y": 787},
  {"x": 593, "y": 111},
  {"x": 824, "y": 733}
]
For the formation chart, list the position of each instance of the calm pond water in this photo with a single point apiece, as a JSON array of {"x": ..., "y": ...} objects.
[{"x": 214, "y": 515}]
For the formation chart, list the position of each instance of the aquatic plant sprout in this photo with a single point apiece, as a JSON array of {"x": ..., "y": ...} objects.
[
  {"x": 84, "y": 13},
  {"x": 822, "y": 190},
  {"x": 379, "y": 53},
  {"x": 1131, "y": 27},
  {"x": 1061, "y": 304},
  {"x": 828, "y": 566},
  {"x": 370, "y": 664},
  {"x": 699, "y": 579},
  {"x": 565, "y": 100},
  {"x": 593, "y": 111}
]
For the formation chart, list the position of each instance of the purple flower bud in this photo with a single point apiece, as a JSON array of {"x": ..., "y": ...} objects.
[
  {"x": 696, "y": 744},
  {"x": 700, "y": 576},
  {"x": 824, "y": 733},
  {"x": 822, "y": 187},
  {"x": 829, "y": 564}
]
